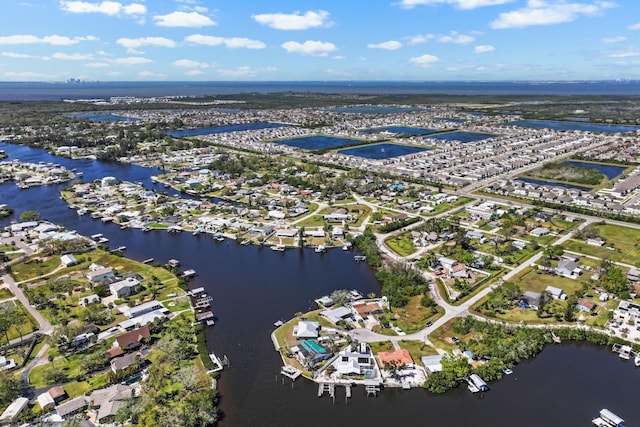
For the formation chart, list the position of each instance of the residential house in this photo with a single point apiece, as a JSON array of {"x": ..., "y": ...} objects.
[
  {"x": 539, "y": 232},
  {"x": 585, "y": 305},
  {"x": 595, "y": 241},
  {"x": 109, "y": 400},
  {"x": 71, "y": 407},
  {"x": 337, "y": 314},
  {"x": 58, "y": 394},
  {"x": 123, "y": 362},
  {"x": 556, "y": 293},
  {"x": 399, "y": 358},
  {"x": 13, "y": 411},
  {"x": 354, "y": 361},
  {"x": 125, "y": 287},
  {"x": 133, "y": 339},
  {"x": 6, "y": 364},
  {"x": 101, "y": 274},
  {"x": 90, "y": 299},
  {"x": 306, "y": 329},
  {"x": 432, "y": 363},
  {"x": 45, "y": 401},
  {"x": 568, "y": 268},
  {"x": 532, "y": 299},
  {"x": 310, "y": 352},
  {"x": 144, "y": 308},
  {"x": 68, "y": 260}
]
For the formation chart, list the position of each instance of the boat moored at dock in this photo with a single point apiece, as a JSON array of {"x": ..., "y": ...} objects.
[{"x": 607, "y": 418}]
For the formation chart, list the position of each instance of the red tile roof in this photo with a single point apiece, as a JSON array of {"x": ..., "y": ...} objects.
[{"x": 398, "y": 357}]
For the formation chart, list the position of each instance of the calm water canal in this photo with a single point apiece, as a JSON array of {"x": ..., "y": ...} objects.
[{"x": 565, "y": 386}]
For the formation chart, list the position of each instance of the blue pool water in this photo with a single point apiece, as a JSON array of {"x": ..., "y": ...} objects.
[{"x": 382, "y": 151}]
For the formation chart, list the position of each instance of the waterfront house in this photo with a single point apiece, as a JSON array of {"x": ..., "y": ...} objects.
[
  {"x": 432, "y": 363},
  {"x": 398, "y": 358},
  {"x": 306, "y": 329},
  {"x": 532, "y": 299},
  {"x": 354, "y": 361},
  {"x": 310, "y": 352}
]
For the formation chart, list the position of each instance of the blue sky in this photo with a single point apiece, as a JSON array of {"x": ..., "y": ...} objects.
[{"x": 108, "y": 40}]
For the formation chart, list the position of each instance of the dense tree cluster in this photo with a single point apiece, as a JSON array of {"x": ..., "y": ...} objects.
[{"x": 400, "y": 282}]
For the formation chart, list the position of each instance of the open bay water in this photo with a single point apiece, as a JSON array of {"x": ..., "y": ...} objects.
[
  {"x": 253, "y": 287},
  {"x": 23, "y": 91}
]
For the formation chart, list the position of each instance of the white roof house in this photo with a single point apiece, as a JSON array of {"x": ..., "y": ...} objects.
[
  {"x": 68, "y": 260},
  {"x": 336, "y": 314},
  {"x": 124, "y": 288},
  {"x": 45, "y": 401},
  {"x": 306, "y": 329},
  {"x": 354, "y": 361},
  {"x": 556, "y": 293},
  {"x": 12, "y": 413},
  {"x": 432, "y": 363}
]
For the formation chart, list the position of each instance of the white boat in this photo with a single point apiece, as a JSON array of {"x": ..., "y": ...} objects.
[
  {"x": 320, "y": 249},
  {"x": 82, "y": 211},
  {"x": 278, "y": 248},
  {"x": 290, "y": 372},
  {"x": 608, "y": 419},
  {"x": 636, "y": 359},
  {"x": 507, "y": 371}
]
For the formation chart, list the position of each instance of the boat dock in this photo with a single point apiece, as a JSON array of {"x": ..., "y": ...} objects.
[
  {"x": 608, "y": 419},
  {"x": 328, "y": 387},
  {"x": 359, "y": 258},
  {"x": 290, "y": 372},
  {"x": 624, "y": 351}
]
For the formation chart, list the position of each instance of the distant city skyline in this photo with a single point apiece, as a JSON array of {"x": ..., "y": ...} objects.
[{"x": 283, "y": 40}]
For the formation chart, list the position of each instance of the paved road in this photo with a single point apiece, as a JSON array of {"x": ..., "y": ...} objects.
[{"x": 45, "y": 327}]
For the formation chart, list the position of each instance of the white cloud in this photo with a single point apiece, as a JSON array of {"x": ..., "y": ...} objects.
[
  {"x": 151, "y": 75},
  {"x": 460, "y": 4},
  {"x": 484, "y": 48},
  {"x": 542, "y": 12},
  {"x": 453, "y": 37},
  {"x": 236, "y": 42},
  {"x": 194, "y": 73},
  {"x": 634, "y": 27},
  {"x": 243, "y": 71},
  {"x": 131, "y": 60},
  {"x": 230, "y": 42},
  {"x": 30, "y": 76},
  {"x": 183, "y": 19},
  {"x": 146, "y": 41},
  {"x": 294, "y": 21},
  {"x": 96, "y": 64},
  {"x": 111, "y": 8},
  {"x": 456, "y": 38},
  {"x": 53, "y": 39},
  {"x": 72, "y": 56},
  {"x": 188, "y": 63},
  {"x": 616, "y": 39},
  {"x": 629, "y": 53},
  {"x": 424, "y": 60},
  {"x": 16, "y": 55},
  {"x": 388, "y": 45},
  {"x": 310, "y": 47}
]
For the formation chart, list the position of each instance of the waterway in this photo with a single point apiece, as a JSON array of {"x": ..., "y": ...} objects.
[
  {"x": 253, "y": 287},
  {"x": 580, "y": 126},
  {"x": 382, "y": 151},
  {"x": 319, "y": 142},
  {"x": 610, "y": 171}
]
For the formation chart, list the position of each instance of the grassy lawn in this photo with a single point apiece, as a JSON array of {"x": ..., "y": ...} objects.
[
  {"x": 178, "y": 304},
  {"x": 311, "y": 221},
  {"x": 413, "y": 316},
  {"x": 34, "y": 267},
  {"x": 377, "y": 347},
  {"x": 401, "y": 244},
  {"x": 5, "y": 293},
  {"x": 532, "y": 279},
  {"x": 443, "y": 207}
]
